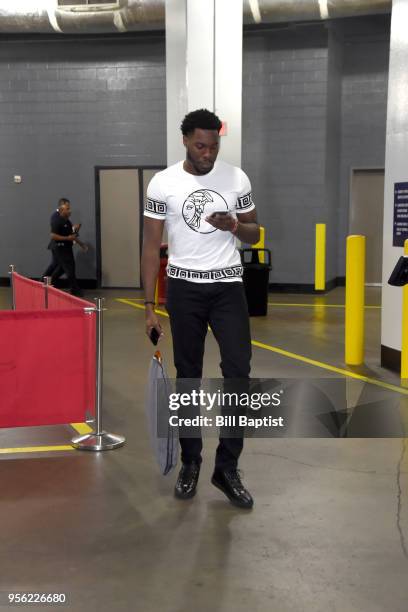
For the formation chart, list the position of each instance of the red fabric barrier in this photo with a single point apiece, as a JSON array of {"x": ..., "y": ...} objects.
[
  {"x": 60, "y": 300},
  {"x": 28, "y": 294},
  {"x": 47, "y": 367}
]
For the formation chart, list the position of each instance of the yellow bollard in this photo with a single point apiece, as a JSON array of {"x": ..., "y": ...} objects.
[
  {"x": 260, "y": 244},
  {"x": 156, "y": 293},
  {"x": 404, "y": 342},
  {"x": 320, "y": 257},
  {"x": 355, "y": 285}
]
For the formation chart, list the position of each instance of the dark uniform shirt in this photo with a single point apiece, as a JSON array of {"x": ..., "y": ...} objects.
[
  {"x": 55, "y": 215},
  {"x": 63, "y": 227}
]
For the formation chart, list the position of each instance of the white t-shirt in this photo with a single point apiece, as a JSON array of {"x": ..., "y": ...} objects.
[{"x": 199, "y": 252}]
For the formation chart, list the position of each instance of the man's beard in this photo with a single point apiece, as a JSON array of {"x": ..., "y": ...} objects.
[{"x": 197, "y": 169}]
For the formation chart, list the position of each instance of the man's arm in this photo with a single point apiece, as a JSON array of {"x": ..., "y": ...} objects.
[
  {"x": 59, "y": 238},
  {"x": 150, "y": 264},
  {"x": 247, "y": 229},
  {"x": 79, "y": 242}
]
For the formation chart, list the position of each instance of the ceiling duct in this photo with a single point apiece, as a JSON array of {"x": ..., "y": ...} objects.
[{"x": 92, "y": 17}]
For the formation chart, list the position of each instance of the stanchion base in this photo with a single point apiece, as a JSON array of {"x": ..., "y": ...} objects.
[{"x": 98, "y": 442}]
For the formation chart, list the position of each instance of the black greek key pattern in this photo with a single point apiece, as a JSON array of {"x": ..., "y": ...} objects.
[
  {"x": 244, "y": 201},
  {"x": 210, "y": 275},
  {"x": 156, "y": 207}
]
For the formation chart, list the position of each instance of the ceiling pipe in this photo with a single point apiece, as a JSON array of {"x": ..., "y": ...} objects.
[
  {"x": 281, "y": 11},
  {"x": 18, "y": 17}
]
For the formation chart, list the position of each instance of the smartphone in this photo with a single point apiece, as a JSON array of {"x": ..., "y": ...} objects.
[
  {"x": 219, "y": 212},
  {"x": 154, "y": 336}
]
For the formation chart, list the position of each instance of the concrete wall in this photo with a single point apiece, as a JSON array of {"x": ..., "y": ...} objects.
[
  {"x": 284, "y": 136},
  {"x": 363, "y": 107},
  {"x": 333, "y": 150},
  {"x": 65, "y": 107},
  {"x": 314, "y": 107}
]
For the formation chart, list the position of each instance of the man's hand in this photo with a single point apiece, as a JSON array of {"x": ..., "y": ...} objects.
[
  {"x": 152, "y": 320},
  {"x": 76, "y": 227},
  {"x": 225, "y": 223},
  {"x": 245, "y": 227},
  {"x": 81, "y": 244}
]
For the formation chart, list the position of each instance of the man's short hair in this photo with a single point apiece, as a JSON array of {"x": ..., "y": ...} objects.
[
  {"x": 63, "y": 201},
  {"x": 202, "y": 119}
]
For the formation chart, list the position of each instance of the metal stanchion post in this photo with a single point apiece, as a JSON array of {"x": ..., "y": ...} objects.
[
  {"x": 13, "y": 296},
  {"x": 98, "y": 440},
  {"x": 47, "y": 283}
]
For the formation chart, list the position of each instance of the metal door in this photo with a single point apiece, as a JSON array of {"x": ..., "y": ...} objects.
[
  {"x": 119, "y": 223},
  {"x": 366, "y": 217}
]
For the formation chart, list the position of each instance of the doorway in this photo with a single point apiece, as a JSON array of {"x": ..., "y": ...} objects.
[
  {"x": 120, "y": 199},
  {"x": 366, "y": 217}
]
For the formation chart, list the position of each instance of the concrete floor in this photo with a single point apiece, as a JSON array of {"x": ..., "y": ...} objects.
[{"x": 329, "y": 530}]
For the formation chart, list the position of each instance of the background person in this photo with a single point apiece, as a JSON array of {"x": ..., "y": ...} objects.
[
  {"x": 63, "y": 236},
  {"x": 53, "y": 266}
]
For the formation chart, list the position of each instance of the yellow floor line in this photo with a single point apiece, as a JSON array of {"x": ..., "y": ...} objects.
[
  {"x": 330, "y": 368},
  {"x": 295, "y": 305},
  {"x": 141, "y": 307},
  {"x": 312, "y": 305},
  {"x": 81, "y": 428},
  {"x": 35, "y": 449},
  {"x": 313, "y": 362}
]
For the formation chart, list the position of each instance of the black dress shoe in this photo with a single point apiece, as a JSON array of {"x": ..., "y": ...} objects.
[
  {"x": 186, "y": 484},
  {"x": 229, "y": 482}
]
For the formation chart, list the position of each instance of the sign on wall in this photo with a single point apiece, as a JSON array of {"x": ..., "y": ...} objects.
[{"x": 400, "y": 231}]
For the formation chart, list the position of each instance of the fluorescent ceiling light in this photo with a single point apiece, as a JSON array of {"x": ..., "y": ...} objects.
[
  {"x": 324, "y": 9},
  {"x": 256, "y": 13}
]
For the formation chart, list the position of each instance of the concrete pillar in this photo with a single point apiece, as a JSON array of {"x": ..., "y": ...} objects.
[
  {"x": 204, "y": 69},
  {"x": 396, "y": 171}
]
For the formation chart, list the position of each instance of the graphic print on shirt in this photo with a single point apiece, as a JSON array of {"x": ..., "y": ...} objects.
[{"x": 199, "y": 205}]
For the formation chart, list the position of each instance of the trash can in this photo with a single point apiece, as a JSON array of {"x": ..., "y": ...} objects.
[
  {"x": 256, "y": 280},
  {"x": 162, "y": 278},
  {"x": 399, "y": 275}
]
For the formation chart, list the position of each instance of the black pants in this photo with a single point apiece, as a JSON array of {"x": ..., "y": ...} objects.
[
  {"x": 66, "y": 264},
  {"x": 192, "y": 306},
  {"x": 53, "y": 267}
]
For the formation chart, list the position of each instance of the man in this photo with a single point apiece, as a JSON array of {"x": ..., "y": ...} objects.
[
  {"x": 63, "y": 236},
  {"x": 54, "y": 265},
  {"x": 206, "y": 204}
]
